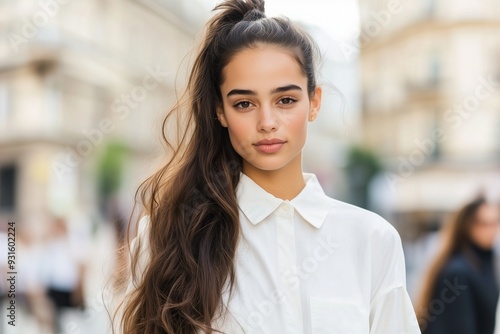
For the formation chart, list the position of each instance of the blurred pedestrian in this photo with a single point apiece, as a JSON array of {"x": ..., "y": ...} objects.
[
  {"x": 30, "y": 282},
  {"x": 459, "y": 293},
  {"x": 64, "y": 265}
]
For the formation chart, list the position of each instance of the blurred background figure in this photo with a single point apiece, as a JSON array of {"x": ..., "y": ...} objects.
[
  {"x": 35, "y": 309},
  {"x": 33, "y": 312},
  {"x": 63, "y": 272},
  {"x": 460, "y": 291}
]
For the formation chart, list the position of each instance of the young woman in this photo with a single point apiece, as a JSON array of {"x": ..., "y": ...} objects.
[
  {"x": 460, "y": 292},
  {"x": 235, "y": 237}
]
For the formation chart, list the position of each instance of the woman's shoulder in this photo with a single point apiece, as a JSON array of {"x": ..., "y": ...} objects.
[
  {"x": 143, "y": 224},
  {"x": 139, "y": 247},
  {"x": 360, "y": 220},
  {"x": 455, "y": 275},
  {"x": 140, "y": 243},
  {"x": 347, "y": 219},
  {"x": 456, "y": 266}
]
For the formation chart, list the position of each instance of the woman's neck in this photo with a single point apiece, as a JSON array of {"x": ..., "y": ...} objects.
[
  {"x": 483, "y": 253},
  {"x": 284, "y": 183}
]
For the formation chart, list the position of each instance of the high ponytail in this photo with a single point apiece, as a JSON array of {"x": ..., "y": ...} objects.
[{"x": 191, "y": 201}]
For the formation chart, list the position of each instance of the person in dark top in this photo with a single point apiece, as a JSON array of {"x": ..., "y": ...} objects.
[{"x": 460, "y": 292}]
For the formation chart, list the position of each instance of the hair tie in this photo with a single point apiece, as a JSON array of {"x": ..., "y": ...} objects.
[{"x": 253, "y": 15}]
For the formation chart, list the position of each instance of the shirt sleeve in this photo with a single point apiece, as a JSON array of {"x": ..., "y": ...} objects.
[
  {"x": 392, "y": 313},
  {"x": 391, "y": 310},
  {"x": 139, "y": 243}
]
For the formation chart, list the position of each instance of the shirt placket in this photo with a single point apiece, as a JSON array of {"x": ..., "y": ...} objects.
[{"x": 291, "y": 303}]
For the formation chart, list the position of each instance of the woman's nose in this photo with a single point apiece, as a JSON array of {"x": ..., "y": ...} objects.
[{"x": 268, "y": 121}]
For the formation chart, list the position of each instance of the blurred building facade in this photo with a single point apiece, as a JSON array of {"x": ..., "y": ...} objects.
[
  {"x": 337, "y": 126},
  {"x": 75, "y": 76},
  {"x": 431, "y": 104}
]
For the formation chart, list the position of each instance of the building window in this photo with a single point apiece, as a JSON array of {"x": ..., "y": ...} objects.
[
  {"x": 4, "y": 103},
  {"x": 434, "y": 69},
  {"x": 8, "y": 182},
  {"x": 496, "y": 60},
  {"x": 436, "y": 135},
  {"x": 430, "y": 8}
]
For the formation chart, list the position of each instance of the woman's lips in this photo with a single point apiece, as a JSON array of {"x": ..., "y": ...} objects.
[{"x": 269, "y": 148}]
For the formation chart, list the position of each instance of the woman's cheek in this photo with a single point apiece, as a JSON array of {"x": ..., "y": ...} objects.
[
  {"x": 241, "y": 139},
  {"x": 297, "y": 126}
]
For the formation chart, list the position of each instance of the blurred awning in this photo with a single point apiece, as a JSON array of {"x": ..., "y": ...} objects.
[{"x": 445, "y": 190}]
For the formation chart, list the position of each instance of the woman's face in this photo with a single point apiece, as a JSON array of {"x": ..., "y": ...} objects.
[
  {"x": 266, "y": 107},
  {"x": 484, "y": 228}
]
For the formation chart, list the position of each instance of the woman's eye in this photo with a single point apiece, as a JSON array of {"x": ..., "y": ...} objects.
[
  {"x": 243, "y": 105},
  {"x": 287, "y": 100}
]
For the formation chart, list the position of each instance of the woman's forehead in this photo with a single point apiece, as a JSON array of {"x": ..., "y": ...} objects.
[{"x": 261, "y": 68}]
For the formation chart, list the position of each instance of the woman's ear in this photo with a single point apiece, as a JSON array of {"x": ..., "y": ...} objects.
[
  {"x": 315, "y": 104},
  {"x": 220, "y": 116}
]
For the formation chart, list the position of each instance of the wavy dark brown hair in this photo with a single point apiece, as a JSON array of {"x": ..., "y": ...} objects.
[
  {"x": 455, "y": 238},
  {"x": 191, "y": 200}
]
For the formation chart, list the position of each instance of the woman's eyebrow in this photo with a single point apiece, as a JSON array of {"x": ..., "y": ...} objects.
[
  {"x": 274, "y": 91},
  {"x": 285, "y": 89}
]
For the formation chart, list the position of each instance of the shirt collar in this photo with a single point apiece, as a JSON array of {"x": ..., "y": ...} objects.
[{"x": 311, "y": 203}]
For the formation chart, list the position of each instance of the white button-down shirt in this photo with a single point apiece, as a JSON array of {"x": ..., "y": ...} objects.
[{"x": 314, "y": 265}]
